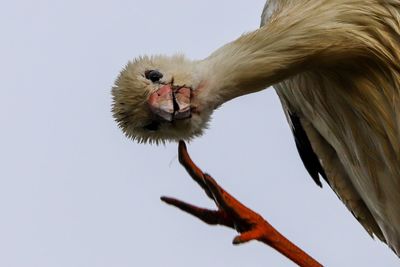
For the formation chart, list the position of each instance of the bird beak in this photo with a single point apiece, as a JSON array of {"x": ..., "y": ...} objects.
[{"x": 170, "y": 103}]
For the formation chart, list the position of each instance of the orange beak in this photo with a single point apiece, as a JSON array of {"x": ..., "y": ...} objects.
[{"x": 170, "y": 103}]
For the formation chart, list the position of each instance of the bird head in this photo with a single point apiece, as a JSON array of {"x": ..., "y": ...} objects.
[{"x": 156, "y": 99}]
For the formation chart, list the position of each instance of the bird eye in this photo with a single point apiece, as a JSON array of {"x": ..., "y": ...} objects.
[
  {"x": 152, "y": 126},
  {"x": 153, "y": 75}
]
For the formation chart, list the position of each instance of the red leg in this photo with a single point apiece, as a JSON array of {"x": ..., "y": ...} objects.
[{"x": 234, "y": 214}]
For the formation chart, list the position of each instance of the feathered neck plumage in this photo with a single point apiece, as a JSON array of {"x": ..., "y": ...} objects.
[{"x": 304, "y": 35}]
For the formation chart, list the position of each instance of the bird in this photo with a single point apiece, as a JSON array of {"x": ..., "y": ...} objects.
[{"x": 335, "y": 66}]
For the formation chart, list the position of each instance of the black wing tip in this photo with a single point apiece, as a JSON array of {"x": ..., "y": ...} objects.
[
  {"x": 317, "y": 181},
  {"x": 310, "y": 159}
]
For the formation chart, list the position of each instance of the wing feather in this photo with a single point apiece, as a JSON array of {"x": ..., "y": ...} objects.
[
  {"x": 319, "y": 157},
  {"x": 306, "y": 152}
]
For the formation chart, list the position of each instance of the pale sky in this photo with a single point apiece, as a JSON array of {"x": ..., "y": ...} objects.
[{"x": 74, "y": 192}]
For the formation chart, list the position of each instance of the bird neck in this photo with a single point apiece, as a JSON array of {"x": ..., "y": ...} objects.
[{"x": 296, "y": 41}]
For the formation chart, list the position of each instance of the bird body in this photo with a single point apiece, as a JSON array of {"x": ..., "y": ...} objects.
[
  {"x": 336, "y": 68},
  {"x": 350, "y": 114}
]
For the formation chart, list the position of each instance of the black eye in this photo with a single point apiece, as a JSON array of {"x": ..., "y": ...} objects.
[
  {"x": 152, "y": 126},
  {"x": 153, "y": 75}
]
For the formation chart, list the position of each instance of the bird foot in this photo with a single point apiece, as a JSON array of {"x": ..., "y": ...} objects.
[{"x": 233, "y": 214}]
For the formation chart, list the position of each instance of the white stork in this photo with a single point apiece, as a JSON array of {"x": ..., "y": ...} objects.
[{"x": 336, "y": 68}]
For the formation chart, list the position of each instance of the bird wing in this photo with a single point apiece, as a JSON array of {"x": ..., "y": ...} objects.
[
  {"x": 306, "y": 152},
  {"x": 320, "y": 158},
  {"x": 346, "y": 124}
]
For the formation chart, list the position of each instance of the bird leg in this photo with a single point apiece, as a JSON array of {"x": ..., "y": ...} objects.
[{"x": 234, "y": 214}]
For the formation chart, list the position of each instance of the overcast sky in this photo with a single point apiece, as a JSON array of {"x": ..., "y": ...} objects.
[{"x": 75, "y": 192}]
